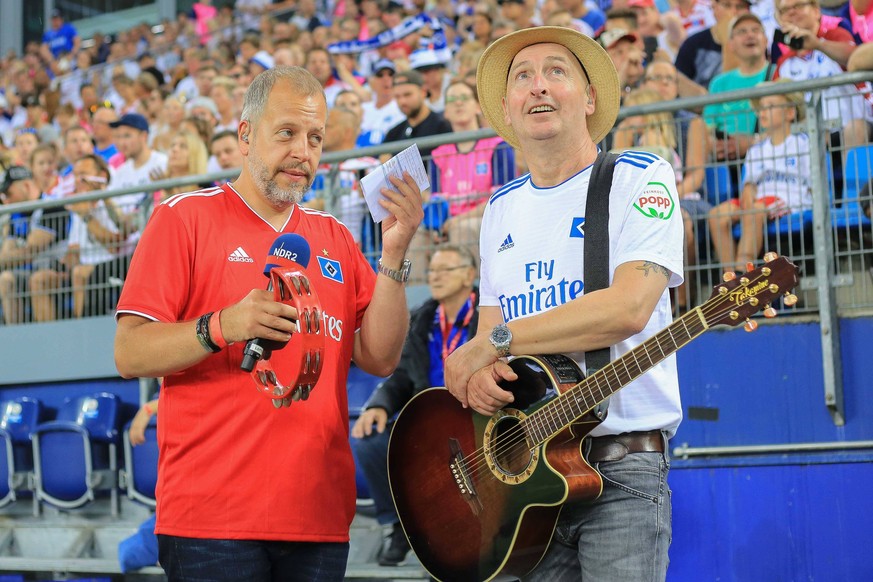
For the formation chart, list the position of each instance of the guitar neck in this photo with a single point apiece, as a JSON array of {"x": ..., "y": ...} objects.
[{"x": 574, "y": 403}]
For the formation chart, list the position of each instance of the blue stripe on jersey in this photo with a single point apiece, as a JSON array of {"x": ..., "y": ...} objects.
[
  {"x": 517, "y": 183},
  {"x": 639, "y": 156},
  {"x": 631, "y": 162}
]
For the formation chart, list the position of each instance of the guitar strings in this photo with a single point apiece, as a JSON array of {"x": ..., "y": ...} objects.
[{"x": 512, "y": 438}]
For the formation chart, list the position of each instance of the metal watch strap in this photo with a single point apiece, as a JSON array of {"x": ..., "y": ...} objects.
[{"x": 400, "y": 275}]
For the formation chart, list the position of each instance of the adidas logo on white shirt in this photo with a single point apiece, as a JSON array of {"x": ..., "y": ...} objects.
[
  {"x": 507, "y": 244},
  {"x": 240, "y": 256}
]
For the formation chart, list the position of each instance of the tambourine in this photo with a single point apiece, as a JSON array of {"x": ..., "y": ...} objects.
[{"x": 292, "y": 287}]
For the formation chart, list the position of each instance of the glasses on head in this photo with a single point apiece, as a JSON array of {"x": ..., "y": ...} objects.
[
  {"x": 791, "y": 7},
  {"x": 661, "y": 78},
  {"x": 461, "y": 98},
  {"x": 441, "y": 270}
]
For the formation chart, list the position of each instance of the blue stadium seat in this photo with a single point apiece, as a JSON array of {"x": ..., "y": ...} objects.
[
  {"x": 717, "y": 184},
  {"x": 858, "y": 171},
  {"x": 18, "y": 419},
  {"x": 360, "y": 386},
  {"x": 140, "y": 475},
  {"x": 75, "y": 456}
]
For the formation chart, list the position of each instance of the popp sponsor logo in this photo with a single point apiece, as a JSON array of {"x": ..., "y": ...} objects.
[{"x": 655, "y": 201}]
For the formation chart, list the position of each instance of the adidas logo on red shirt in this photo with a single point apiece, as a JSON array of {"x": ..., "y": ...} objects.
[{"x": 240, "y": 256}]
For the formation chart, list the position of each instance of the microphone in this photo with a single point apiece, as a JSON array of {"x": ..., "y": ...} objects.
[{"x": 289, "y": 250}]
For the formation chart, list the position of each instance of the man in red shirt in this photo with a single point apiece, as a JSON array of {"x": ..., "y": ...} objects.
[{"x": 245, "y": 491}]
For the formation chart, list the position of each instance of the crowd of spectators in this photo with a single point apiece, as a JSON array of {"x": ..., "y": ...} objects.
[{"x": 156, "y": 102}]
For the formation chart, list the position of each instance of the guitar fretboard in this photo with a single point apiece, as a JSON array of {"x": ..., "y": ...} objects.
[{"x": 575, "y": 402}]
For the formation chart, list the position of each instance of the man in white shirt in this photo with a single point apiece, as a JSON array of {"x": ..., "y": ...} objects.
[
  {"x": 130, "y": 211},
  {"x": 382, "y": 113},
  {"x": 553, "y": 94}
]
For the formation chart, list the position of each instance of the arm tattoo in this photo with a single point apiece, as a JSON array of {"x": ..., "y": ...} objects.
[{"x": 648, "y": 266}]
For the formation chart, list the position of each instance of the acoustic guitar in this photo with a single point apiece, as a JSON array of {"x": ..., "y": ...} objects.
[{"x": 479, "y": 496}]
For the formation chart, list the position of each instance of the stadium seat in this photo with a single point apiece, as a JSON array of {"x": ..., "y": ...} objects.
[
  {"x": 18, "y": 418},
  {"x": 140, "y": 474},
  {"x": 858, "y": 171},
  {"x": 360, "y": 386},
  {"x": 75, "y": 455},
  {"x": 717, "y": 184}
]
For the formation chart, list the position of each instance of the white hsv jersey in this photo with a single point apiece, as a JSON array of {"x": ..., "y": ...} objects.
[
  {"x": 840, "y": 102},
  {"x": 781, "y": 171},
  {"x": 532, "y": 245}
]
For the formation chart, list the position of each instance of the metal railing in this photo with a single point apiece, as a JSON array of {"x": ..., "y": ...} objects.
[{"x": 831, "y": 241}]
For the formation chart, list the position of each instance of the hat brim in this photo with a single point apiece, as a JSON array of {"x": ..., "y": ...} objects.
[{"x": 493, "y": 70}]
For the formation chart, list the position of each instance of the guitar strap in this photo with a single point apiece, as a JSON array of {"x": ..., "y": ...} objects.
[{"x": 596, "y": 254}]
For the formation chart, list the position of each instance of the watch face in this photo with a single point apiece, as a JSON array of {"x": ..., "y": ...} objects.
[{"x": 500, "y": 335}]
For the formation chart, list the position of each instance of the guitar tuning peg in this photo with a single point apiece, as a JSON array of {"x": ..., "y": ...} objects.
[
  {"x": 790, "y": 299},
  {"x": 750, "y": 325},
  {"x": 769, "y": 312},
  {"x": 771, "y": 256},
  {"x": 728, "y": 276}
]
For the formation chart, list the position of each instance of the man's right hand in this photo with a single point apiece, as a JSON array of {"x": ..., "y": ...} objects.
[{"x": 364, "y": 425}]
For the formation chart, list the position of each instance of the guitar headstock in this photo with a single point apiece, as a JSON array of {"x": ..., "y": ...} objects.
[{"x": 738, "y": 298}]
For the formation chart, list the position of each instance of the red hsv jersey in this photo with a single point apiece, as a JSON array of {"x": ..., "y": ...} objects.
[{"x": 231, "y": 465}]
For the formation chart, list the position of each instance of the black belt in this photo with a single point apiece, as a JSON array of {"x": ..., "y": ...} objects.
[{"x": 616, "y": 447}]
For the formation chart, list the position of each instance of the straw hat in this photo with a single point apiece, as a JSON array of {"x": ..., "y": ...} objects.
[{"x": 494, "y": 69}]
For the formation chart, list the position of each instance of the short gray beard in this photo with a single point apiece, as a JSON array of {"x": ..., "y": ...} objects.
[{"x": 266, "y": 183}]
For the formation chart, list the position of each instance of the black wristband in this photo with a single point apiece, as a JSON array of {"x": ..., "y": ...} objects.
[{"x": 203, "y": 336}]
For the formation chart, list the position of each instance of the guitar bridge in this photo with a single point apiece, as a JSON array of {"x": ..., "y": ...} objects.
[{"x": 462, "y": 477}]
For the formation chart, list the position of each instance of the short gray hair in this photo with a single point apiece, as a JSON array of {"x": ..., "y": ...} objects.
[
  {"x": 463, "y": 251},
  {"x": 259, "y": 91}
]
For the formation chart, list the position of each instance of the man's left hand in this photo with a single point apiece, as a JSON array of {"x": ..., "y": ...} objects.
[{"x": 406, "y": 214}]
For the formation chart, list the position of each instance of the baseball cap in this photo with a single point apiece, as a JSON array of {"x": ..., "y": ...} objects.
[
  {"x": 264, "y": 59},
  {"x": 408, "y": 77},
  {"x": 609, "y": 38},
  {"x": 641, "y": 3},
  {"x": 383, "y": 64},
  {"x": 15, "y": 174},
  {"x": 425, "y": 59},
  {"x": 56, "y": 13},
  {"x": 134, "y": 120}
]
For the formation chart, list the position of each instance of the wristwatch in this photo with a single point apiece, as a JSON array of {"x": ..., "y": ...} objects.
[
  {"x": 500, "y": 338},
  {"x": 400, "y": 275}
]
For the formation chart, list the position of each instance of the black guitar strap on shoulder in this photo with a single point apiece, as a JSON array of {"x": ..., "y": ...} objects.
[{"x": 596, "y": 254}]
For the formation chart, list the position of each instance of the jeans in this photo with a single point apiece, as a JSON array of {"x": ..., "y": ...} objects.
[
  {"x": 623, "y": 535},
  {"x": 372, "y": 454},
  {"x": 208, "y": 560}
]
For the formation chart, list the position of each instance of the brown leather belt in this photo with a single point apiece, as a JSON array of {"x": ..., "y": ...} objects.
[{"x": 616, "y": 447}]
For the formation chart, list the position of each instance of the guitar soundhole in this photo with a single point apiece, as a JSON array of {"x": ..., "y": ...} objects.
[{"x": 509, "y": 447}]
